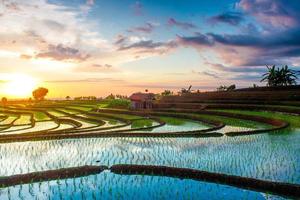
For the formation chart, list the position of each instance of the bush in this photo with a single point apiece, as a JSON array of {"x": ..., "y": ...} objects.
[{"x": 118, "y": 103}]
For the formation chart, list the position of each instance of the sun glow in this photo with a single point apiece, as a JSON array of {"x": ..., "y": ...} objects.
[{"x": 19, "y": 85}]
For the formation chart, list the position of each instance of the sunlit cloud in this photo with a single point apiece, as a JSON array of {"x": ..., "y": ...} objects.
[
  {"x": 183, "y": 25},
  {"x": 81, "y": 41}
]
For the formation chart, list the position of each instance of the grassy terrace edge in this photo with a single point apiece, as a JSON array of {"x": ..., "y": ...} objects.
[
  {"x": 272, "y": 187},
  {"x": 210, "y": 132}
]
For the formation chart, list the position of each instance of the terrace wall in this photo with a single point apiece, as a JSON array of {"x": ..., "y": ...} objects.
[{"x": 246, "y": 95}]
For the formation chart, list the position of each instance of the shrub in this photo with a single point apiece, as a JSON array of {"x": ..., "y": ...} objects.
[{"x": 118, "y": 103}]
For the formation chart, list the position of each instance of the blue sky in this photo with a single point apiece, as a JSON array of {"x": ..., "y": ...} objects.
[{"x": 97, "y": 47}]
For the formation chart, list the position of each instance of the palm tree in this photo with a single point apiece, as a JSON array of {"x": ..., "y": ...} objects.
[
  {"x": 270, "y": 76},
  {"x": 185, "y": 91},
  {"x": 280, "y": 76},
  {"x": 287, "y": 76},
  {"x": 167, "y": 93}
]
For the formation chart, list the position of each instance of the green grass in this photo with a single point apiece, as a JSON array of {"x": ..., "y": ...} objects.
[
  {"x": 86, "y": 121},
  {"x": 24, "y": 119},
  {"x": 292, "y": 119},
  {"x": 102, "y": 105},
  {"x": 68, "y": 111},
  {"x": 9, "y": 120},
  {"x": 123, "y": 116},
  {"x": 115, "y": 103},
  {"x": 81, "y": 108},
  {"x": 234, "y": 122},
  {"x": 173, "y": 121},
  {"x": 110, "y": 121},
  {"x": 40, "y": 116},
  {"x": 56, "y": 114},
  {"x": 143, "y": 123}
]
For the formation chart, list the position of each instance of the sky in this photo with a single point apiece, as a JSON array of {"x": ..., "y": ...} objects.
[{"x": 98, "y": 47}]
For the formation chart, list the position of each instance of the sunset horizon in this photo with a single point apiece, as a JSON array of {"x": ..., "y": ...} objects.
[{"x": 77, "y": 48}]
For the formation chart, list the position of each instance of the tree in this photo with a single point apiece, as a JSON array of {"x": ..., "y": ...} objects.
[
  {"x": 184, "y": 91},
  {"x": 225, "y": 88},
  {"x": 167, "y": 93},
  {"x": 287, "y": 76},
  {"x": 280, "y": 76},
  {"x": 4, "y": 100},
  {"x": 222, "y": 88},
  {"x": 111, "y": 96},
  {"x": 39, "y": 93},
  {"x": 231, "y": 87},
  {"x": 68, "y": 98}
]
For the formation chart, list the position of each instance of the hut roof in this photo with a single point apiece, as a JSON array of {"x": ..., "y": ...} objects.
[{"x": 142, "y": 96}]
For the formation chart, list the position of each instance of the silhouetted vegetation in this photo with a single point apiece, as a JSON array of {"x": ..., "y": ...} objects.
[
  {"x": 111, "y": 96},
  {"x": 225, "y": 88},
  {"x": 185, "y": 91},
  {"x": 167, "y": 93},
  {"x": 85, "y": 98},
  {"x": 280, "y": 76},
  {"x": 118, "y": 103},
  {"x": 117, "y": 96},
  {"x": 40, "y": 93},
  {"x": 4, "y": 100}
]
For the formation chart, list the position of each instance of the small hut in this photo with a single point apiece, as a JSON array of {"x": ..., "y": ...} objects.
[{"x": 142, "y": 100}]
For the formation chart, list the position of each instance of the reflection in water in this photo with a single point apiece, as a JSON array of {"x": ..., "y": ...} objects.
[
  {"x": 266, "y": 156},
  {"x": 111, "y": 186}
]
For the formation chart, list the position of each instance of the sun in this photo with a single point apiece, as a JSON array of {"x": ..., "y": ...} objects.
[{"x": 19, "y": 85}]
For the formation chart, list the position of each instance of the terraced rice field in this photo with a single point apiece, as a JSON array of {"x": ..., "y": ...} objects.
[{"x": 39, "y": 141}]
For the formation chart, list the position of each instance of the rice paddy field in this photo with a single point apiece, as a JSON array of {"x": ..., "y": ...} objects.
[{"x": 71, "y": 150}]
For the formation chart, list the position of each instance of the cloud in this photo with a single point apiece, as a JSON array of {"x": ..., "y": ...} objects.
[
  {"x": 156, "y": 86},
  {"x": 183, "y": 25},
  {"x": 248, "y": 49},
  {"x": 26, "y": 57},
  {"x": 90, "y": 2},
  {"x": 120, "y": 39},
  {"x": 97, "y": 68},
  {"x": 147, "y": 28},
  {"x": 206, "y": 73},
  {"x": 247, "y": 77},
  {"x": 12, "y": 6},
  {"x": 275, "y": 13},
  {"x": 59, "y": 52},
  {"x": 87, "y": 80},
  {"x": 46, "y": 30},
  {"x": 85, "y": 8},
  {"x": 105, "y": 65},
  {"x": 235, "y": 69},
  {"x": 168, "y": 86},
  {"x": 148, "y": 44},
  {"x": 231, "y": 18},
  {"x": 54, "y": 24},
  {"x": 149, "y": 47},
  {"x": 137, "y": 8},
  {"x": 198, "y": 39}
]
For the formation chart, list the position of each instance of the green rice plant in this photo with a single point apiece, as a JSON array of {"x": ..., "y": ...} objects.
[
  {"x": 40, "y": 116},
  {"x": 81, "y": 108},
  {"x": 294, "y": 120},
  {"x": 124, "y": 116},
  {"x": 142, "y": 123},
  {"x": 173, "y": 121},
  {"x": 234, "y": 121},
  {"x": 118, "y": 103},
  {"x": 24, "y": 119}
]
